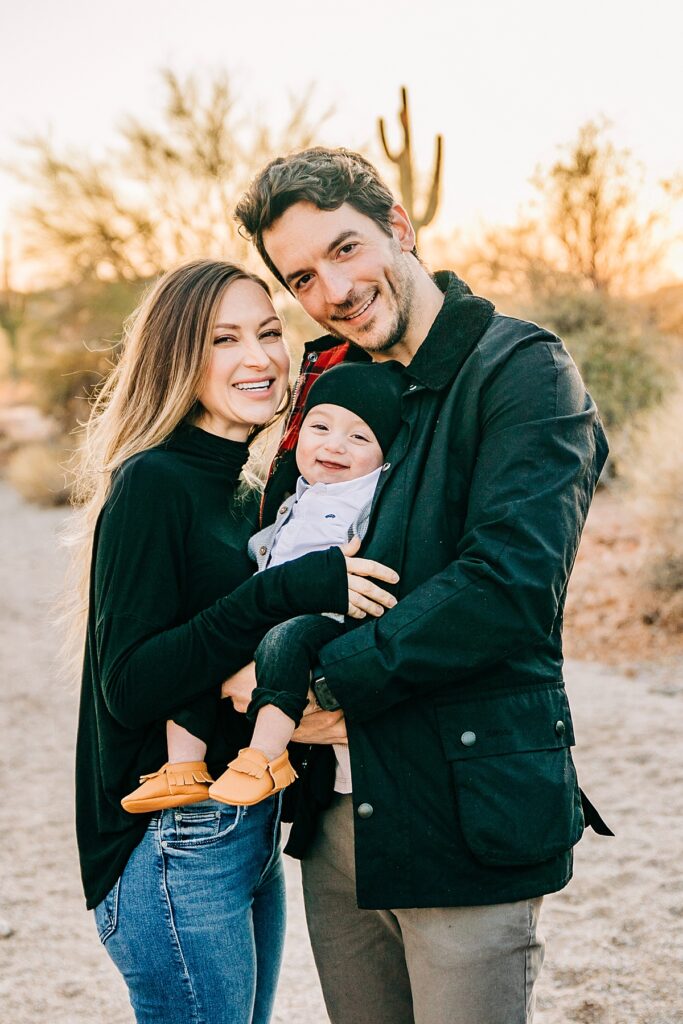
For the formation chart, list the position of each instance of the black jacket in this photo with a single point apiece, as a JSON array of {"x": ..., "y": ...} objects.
[{"x": 459, "y": 726}]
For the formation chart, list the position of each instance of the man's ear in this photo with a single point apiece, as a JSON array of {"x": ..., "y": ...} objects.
[{"x": 401, "y": 228}]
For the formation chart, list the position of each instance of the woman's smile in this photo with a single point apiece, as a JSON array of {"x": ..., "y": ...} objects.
[{"x": 257, "y": 389}]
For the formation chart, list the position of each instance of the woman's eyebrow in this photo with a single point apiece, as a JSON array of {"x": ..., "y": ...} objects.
[{"x": 238, "y": 327}]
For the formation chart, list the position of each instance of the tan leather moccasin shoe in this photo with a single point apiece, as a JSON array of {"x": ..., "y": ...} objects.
[
  {"x": 251, "y": 778},
  {"x": 174, "y": 785}
]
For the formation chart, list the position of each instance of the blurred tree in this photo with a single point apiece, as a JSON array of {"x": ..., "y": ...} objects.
[
  {"x": 674, "y": 185},
  {"x": 163, "y": 195},
  {"x": 403, "y": 158},
  {"x": 591, "y": 208},
  {"x": 586, "y": 226}
]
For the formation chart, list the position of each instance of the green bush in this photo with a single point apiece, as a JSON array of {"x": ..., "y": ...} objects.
[
  {"x": 75, "y": 331},
  {"x": 64, "y": 380},
  {"x": 625, "y": 362}
]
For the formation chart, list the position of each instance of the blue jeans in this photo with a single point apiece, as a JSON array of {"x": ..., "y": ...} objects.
[{"x": 196, "y": 922}]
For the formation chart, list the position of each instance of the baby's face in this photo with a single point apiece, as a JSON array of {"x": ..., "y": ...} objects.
[{"x": 335, "y": 445}]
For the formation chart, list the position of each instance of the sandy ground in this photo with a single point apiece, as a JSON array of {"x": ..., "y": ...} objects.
[{"x": 614, "y": 936}]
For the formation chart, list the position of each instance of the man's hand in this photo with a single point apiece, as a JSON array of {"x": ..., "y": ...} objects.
[
  {"x": 365, "y": 597},
  {"x": 240, "y": 687},
  {"x": 321, "y": 727}
]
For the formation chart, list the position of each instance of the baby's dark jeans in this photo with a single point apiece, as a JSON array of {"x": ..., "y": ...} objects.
[{"x": 284, "y": 660}]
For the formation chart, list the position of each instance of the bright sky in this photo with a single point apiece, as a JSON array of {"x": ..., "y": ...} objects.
[{"x": 505, "y": 82}]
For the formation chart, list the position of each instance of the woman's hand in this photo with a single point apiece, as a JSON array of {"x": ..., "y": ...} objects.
[
  {"x": 321, "y": 727},
  {"x": 240, "y": 687},
  {"x": 365, "y": 598}
]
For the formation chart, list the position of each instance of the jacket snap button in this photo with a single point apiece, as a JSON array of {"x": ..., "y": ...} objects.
[
  {"x": 413, "y": 387},
  {"x": 386, "y": 466},
  {"x": 560, "y": 728},
  {"x": 468, "y": 739},
  {"x": 263, "y": 550},
  {"x": 283, "y": 510},
  {"x": 365, "y": 810}
]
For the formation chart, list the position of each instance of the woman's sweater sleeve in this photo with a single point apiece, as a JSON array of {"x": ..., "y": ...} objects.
[{"x": 150, "y": 661}]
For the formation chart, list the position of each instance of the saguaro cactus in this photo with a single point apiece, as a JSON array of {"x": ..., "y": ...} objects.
[{"x": 404, "y": 160}]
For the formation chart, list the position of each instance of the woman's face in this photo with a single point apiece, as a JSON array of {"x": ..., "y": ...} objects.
[{"x": 249, "y": 366}]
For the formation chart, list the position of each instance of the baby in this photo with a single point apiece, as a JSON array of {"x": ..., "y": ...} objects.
[{"x": 351, "y": 416}]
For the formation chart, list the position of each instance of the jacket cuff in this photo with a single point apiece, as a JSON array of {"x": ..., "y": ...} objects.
[
  {"x": 320, "y": 582},
  {"x": 355, "y": 674}
]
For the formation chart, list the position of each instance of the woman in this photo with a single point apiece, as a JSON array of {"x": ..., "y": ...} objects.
[{"x": 189, "y": 902}]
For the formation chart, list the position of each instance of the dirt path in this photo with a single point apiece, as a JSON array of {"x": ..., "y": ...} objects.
[{"x": 615, "y": 935}]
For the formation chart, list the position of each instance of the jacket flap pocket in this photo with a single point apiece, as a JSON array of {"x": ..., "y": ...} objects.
[
  {"x": 504, "y": 724},
  {"x": 514, "y": 781}
]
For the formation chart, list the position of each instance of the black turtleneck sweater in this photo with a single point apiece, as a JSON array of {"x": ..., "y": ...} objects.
[{"x": 169, "y": 545}]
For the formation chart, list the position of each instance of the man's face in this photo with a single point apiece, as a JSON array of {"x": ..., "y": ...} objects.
[{"x": 350, "y": 276}]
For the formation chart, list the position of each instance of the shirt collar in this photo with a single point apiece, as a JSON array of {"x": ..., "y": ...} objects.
[
  {"x": 458, "y": 326},
  {"x": 345, "y": 488}
]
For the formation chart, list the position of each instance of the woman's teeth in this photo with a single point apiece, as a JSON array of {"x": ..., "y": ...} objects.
[{"x": 261, "y": 385}]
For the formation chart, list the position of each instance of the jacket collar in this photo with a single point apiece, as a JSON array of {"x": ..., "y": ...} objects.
[{"x": 459, "y": 325}]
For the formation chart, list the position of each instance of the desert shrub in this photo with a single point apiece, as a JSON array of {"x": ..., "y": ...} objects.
[
  {"x": 64, "y": 379},
  {"x": 36, "y": 471},
  {"x": 652, "y": 467},
  {"x": 74, "y": 343},
  {"x": 621, "y": 370},
  {"x": 624, "y": 360},
  {"x": 665, "y": 307}
]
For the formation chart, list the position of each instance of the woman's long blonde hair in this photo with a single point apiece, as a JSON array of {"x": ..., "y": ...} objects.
[{"x": 153, "y": 388}]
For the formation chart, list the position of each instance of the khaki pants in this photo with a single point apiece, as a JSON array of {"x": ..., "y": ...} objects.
[{"x": 451, "y": 965}]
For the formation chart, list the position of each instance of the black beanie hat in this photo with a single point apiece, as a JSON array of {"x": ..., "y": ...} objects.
[{"x": 371, "y": 390}]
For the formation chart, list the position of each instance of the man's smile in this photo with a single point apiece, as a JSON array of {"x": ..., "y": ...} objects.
[{"x": 359, "y": 312}]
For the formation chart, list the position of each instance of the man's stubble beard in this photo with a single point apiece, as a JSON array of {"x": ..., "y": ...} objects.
[{"x": 402, "y": 292}]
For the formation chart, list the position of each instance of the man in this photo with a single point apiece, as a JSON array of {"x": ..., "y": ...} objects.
[{"x": 423, "y": 887}]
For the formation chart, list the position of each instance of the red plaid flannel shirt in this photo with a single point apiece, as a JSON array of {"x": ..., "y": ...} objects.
[{"x": 315, "y": 363}]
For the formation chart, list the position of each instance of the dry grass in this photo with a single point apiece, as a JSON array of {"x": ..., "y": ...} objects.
[
  {"x": 653, "y": 469},
  {"x": 613, "y": 615},
  {"x": 625, "y": 600}
]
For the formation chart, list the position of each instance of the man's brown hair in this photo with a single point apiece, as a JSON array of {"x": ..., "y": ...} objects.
[{"x": 325, "y": 177}]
